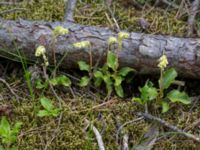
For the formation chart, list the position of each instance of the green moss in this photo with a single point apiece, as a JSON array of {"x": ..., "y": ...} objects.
[
  {"x": 72, "y": 134},
  {"x": 36, "y": 132},
  {"x": 50, "y": 10},
  {"x": 96, "y": 13}
]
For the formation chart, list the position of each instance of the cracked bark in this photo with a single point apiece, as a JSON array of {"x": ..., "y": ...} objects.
[{"x": 140, "y": 51}]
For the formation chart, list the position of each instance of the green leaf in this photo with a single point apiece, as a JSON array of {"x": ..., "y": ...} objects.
[
  {"x": 12, "y": 148},
  {"x": 109, "y": 83},
  {"x": 46, "y": 103},
  {"x": 167, "y": 79},
  {"x": 125, "y": 70},
  {"x": 165, "y": 107},
  {"x": 119, "y": 90},
  {"x": 40, "y": 85},
  {"x": 104, "y": 69},
  {"x": 43, "y": 113},
  {"x": 98, "y": 78},
  {"x": 148, "y": 92},
  {"x": 118, "y": 80},
  {"x": 98, "y": 74},
  {"x": 177, "y": 96},
  {"x": 112, "y": 61},
  {"x": 55, "y": 112},
  {"x": 84, "y": 81},
  {"x": 61, "y": 80},
  {"x": 4, "y": 127},
  {"x": 98, "y": 82},
  {"x": 83, "y": 66},
  {"x": 137, "y": 99},
  {"x": 17, "y": 127}
]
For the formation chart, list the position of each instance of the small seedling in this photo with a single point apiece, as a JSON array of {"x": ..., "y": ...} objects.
[
  {"x": 8, "y": 135},
  {"x": 150, "y": 94},
  {"x": 49, "y": 108}
]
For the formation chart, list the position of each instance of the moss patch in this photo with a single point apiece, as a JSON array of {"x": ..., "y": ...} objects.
[{"x": 161, "y": 21}]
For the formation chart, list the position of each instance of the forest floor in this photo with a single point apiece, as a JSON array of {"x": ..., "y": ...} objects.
[{"x": 114, "y": 117}]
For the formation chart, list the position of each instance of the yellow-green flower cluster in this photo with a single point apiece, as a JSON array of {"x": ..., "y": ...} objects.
[
  {"x": 40, "y": 51},
  {"x": 123, "y": 35},
  {"x": 59, "y": 30},
  {"x": 163, "y": 62},
  {"x": 112, "y": 40},
  {"x": 82, "y": 44},
  {"x": 119, "y": 39}
]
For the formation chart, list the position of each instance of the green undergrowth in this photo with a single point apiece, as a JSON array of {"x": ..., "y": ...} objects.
[
  {"x": 69, "y": 129},
  {"x": 95, "y": 12},
  {"x": 72, "y": 133}
]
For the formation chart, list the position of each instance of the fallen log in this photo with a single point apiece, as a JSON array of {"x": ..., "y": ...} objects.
[{"x": 140, "y": 51}]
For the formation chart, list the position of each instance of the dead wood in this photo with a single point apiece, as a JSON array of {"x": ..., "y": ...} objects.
[{"x": 140, "y": 51}]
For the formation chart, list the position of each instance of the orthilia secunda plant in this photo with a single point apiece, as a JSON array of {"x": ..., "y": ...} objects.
[
  {"x": 109, "y": 74},
  {"x": 58, "y": 31},
  {"x": 162, "y": 96},
  {"x": 58, "y": 80}
]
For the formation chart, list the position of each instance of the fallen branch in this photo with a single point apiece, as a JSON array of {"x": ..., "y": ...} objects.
[
  {"x": 166, "y": 124},
  {"x": 139, "y": 51}
]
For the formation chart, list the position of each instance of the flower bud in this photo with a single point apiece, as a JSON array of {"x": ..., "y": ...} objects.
[
  {"x": 40, "y": 51},
  {"x": 82, "y": 44}
]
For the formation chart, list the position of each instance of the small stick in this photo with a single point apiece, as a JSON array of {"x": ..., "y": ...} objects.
[
  {"x": 166, "y": 124},
  {"x": 12, "y": 10},
  {"x": 98, "y": 136},
  {"x": 51, "y": 87},
  {"x": 125, "y": 142},
  {"x": 194, "y": 124},
  {"x": 192, "y": 15},
  {"x": 170, "y": 4},
  {"x": 125, "y": 124},
  {"x": 8, "y": 86},
  {"x": 55, "y": 132},
  {"x": 9, "y": 3},
  {"x": 114, "y": 19},
  {"x": 69, "y": 10}
]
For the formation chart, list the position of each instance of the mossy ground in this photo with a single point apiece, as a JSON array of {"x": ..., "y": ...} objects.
[
  {"x": 71, "y": 134},
  {"x": 95, "y": 12}
]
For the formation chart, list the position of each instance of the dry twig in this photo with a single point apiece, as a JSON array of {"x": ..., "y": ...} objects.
[
  {"x": 125, "y": 124},
  {"x": 69, "y": 10},
  {"x": 98, "y": 136},
  {"x": 10, "y": 89},
  {"x": 55, "y": 132},
  {"x": 170, "y": 4},
  {"x": 51, "y": 87},
  {"x": 12, "y": 10},
  {"x": 125, "y": 142},
  {"x": 166, "y": 124},
  {"x": 191, "y": 18},
  {"x": 9, "y": 3}
]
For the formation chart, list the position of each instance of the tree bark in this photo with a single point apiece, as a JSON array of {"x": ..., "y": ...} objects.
[{"x": 140, "y": 51}]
